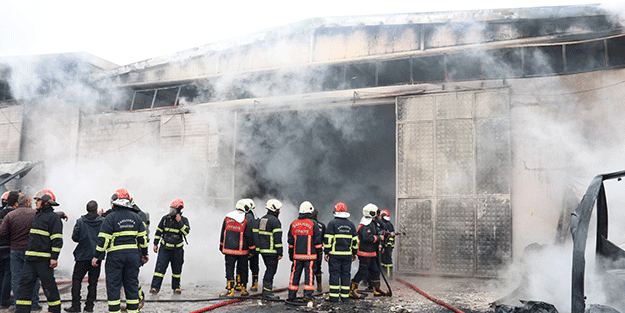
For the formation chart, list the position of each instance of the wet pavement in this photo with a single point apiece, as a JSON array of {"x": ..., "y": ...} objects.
[{"x": 469, "y": 295}]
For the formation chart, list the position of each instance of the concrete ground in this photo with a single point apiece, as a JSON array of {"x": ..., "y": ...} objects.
[{"x": 466, "y": 294}]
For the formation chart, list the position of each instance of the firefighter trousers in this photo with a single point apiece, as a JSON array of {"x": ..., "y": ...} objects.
[
  {"x": 368, "y": 268},
  {"x": 238, "y": 261},
  {"x": 33, "y": 270},
  {"x": 253, "y": 263},
  {"x": 297, "y": 268},
  {"x": 165, "y": 257},
  {"x": 339, "y": 267},
  {"x": 122, "y": 269},
  {"x": 271, "y": 265},
  {"x": 387, "y": 261}
]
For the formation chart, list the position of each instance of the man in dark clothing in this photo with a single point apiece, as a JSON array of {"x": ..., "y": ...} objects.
[
  {"x": 305, "y": 241},
  {"x": 235, "y": 242},
  {"x": 123, "y": 236},
  {"x": 318, "y": 261},
  {"x": 341, "y": 246},
  {"x": 171, "y": 233},
  {"x": 44, "y": 245},
  {"x": 268, "y": 239},
  {"x": 85, "y": 234},
  {"x": 9, "y": 203},
  {"x": 369, "y": 239},
  {"x": 16, "y": 225},
  {"x": 252, "y": 255}
]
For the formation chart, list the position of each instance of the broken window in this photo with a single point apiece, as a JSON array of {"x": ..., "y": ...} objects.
[
  {"x": 393, "y": 72},
  {"x": 464, "y": 66},
  {"x": 543, "y": 60},
  {"x": 584, "y": 57},
  {"x": 616, "y": 51},
  {"x": 360, "y": 75},
  {"x": 503, "y": 63},
  {"x": 428, "y": 69},
  {"x": 142, "y": 100}
]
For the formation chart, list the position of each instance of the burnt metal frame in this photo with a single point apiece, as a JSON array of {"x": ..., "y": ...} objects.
[{"x": 580, "y": 219}]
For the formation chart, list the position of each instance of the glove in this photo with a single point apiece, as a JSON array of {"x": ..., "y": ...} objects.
[
  {"x": 291, "y": 255},
  {"x": 250, "y": 254}
]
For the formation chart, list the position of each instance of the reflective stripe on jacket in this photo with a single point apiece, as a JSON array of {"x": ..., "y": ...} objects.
[
  {"x": 46, "y": 235},
  {"x": 304, "y": 238},
  {"x": 170, "y": 233},
  {"x": 341, "y": 237},
  {"x": 122, "y": 230},
  {"x": 236, "y": 238},
  {"x": 268, "y": 235}
]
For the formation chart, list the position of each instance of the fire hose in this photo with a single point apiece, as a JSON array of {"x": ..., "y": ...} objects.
[
  {"x": 215, "y": 306},
  {"x": 429, "y": 297}
]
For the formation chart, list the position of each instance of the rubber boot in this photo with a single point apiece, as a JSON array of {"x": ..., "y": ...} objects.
[
  {"x": 292, "y": 295},
  {"x": 268, "y": 292},
  {"x": 244, "y": 292},
  {"x": 353, "y": 291},
  {"x": 254, "y": 283},
  {"x": 377, "y": 292},
  {"x": 229, "y": 290},
  {"x": 319, "y": 287},
  {"x": 74, "y": 308},
  {"x": 237, "y": 287}
]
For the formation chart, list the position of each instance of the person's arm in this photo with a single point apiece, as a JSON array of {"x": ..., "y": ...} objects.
[
  {"x": 104, "y": 237},
  {"x": 142, "y": 241},
  {"x": 56, "y": 240},
  {"x": 277, "y": 239},
  {"x": 77, "y": 230}
]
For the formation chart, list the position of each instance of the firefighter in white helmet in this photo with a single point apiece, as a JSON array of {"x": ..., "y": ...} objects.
[
  {"x": 268, "y": 239},
  {"x": 305, "y": 242},
  {"x": 235, "y": 243},
  {"x": 369, "y": 240}
]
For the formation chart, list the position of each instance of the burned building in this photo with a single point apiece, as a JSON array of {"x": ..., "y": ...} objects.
[{"x": 467, "y": 126}]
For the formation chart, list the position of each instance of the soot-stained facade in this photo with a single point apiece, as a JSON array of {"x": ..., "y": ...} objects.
[{"x": 453, "y": 121}]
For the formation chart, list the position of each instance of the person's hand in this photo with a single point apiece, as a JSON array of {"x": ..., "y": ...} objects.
[
  {"x": 392, "y": 234},
  {"x": 100, "y": 212},
  {"x": 145, "y": 259},
  {"x": 155, "y": 249},
  {"x": 53, "y": 263},
  {"x": 94, "y": 262},
  {"x": 279, "y": 257},
  {"x": 327, "y": 258},
  {"x": 62, "y": 215},
  {"x": 353, "y": 258},
  {"x": 178, "y": 217}
]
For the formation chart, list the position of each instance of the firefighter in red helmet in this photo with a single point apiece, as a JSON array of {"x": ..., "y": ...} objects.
[
  {"x": 235, "y": 242},
  {"x": 386, "y": 258},
  {"x": 124, "y": 238},
  {"x": 44, "y": 245},
  {"x": 340, "y": 245},
  {"x": 171, "y": 233}
]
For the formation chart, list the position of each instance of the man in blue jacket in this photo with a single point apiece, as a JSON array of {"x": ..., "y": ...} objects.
[{"x": 85, "y": 234}]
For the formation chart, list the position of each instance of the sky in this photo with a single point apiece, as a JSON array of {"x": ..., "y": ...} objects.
[{"x": 129, "y": 31}]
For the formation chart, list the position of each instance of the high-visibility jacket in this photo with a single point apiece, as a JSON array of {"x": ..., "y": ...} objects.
[
  {"x": 236, "y": 234},
  {"x": 268, "y": 235},
  {"x": 170, "y": 233},
  {"x": 368, "y": 238},
  {"x": 340, "y": 237},
  {"x": 122, "y": 231},
  {"x": 46, "y": 236},
  {"x": 304, "y": 238}
]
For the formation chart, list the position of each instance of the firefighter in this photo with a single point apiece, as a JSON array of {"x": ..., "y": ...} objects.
[
  {"x": 369, "y": 239},
  {"x": 305, "y": 241},
  {"x": 319, "y": 260},
  {"x": 123, "y": 236},
  {"x": 235, "y": 242},
  {"x": 268, "y": 238},
  {"x": 44, "y": 245},
  {"x": 252, "y": 255},
  {"x": 145, "y": 217},
  {"x": 171, "y": 232},
  {"x": 5, "y": 197},
  {"x": 386, "y": 257},
  {"x": 341, "y": 246}
]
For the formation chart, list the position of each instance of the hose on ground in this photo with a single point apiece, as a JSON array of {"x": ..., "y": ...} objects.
[
  {"x": 429, "y": 297},
  {"x": 215, "y": 306}
]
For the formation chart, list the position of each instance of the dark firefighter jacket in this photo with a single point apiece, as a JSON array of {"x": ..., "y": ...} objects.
[
  {"x": 86, "y": 235},
  {"x": 5, "y": 241},
  {"x": 171, "y": 233},
  {"x": 388, "y": 226},
  {"x": 304, "y": 238},
  {"x": 122, "y": 231},
  {"x": 236, "y": 234},
  {"x": 341, "y": 237},
  {"x": 268, "y": 235},
  {"x": 46, "y": 236},
  {"x": 145, "y": 217},
  {"x": 368, "y": 238},
  {"x": 253, "y": 221}
]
